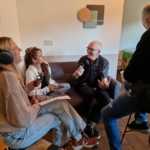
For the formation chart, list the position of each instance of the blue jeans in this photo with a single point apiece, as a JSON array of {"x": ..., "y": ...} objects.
[
  {"x": 59, "y": 115},
  {"x": 117, "y": 109},
  {"x": 63, "y": 88},
  {"x": 139, "y": 117}
]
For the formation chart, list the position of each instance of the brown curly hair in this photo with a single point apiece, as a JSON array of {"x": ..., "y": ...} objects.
[{"x": 31, "y": 53}]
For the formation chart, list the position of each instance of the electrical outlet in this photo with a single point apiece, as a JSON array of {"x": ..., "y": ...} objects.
[{"x": 48, "y": 43}]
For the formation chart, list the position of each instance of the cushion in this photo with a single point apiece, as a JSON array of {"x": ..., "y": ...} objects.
[{"x": 62, "y": 71}]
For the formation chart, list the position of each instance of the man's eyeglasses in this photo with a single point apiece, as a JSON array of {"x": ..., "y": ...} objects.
[{"x": 91, "y": 49}]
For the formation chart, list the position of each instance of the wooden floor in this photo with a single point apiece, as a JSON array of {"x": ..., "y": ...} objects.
[{"x": 132, "y": 140}]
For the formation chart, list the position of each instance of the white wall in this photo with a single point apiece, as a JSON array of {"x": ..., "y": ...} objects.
[
  {"x": 57, "y": 20},
  {"x": 1, "y": 31},
  {"x": 9, "y": 20},
  {"x": 30, "y": 22},
  {"x": 132, "y": 27}
]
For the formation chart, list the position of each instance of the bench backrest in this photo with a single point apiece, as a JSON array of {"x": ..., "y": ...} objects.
[{"x": 62, "y": 71}]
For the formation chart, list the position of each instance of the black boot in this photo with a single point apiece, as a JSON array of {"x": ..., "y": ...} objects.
[{"x": 91, "y": 130}]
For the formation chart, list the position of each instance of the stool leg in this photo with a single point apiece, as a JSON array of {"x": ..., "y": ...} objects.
[
  {"x": 125, "y": 129},
  {"x": 149, "y": 140}
]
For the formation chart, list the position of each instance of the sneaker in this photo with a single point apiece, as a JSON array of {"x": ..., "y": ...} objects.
[
  {"x": 84, "y": 142},
  {"x": 144, "y": 127},
  {"x": 96, "y": 133},
  {"x": 91, "y": 131}
]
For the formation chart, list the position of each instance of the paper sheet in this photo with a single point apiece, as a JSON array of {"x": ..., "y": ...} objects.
[{"x": 53, "y": 99}]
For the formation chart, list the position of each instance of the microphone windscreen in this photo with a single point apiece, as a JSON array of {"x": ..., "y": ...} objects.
[{"x": 81, "y": 64}]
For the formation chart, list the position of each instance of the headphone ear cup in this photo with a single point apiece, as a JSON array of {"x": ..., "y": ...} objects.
[{"x": 5, "y": 57}]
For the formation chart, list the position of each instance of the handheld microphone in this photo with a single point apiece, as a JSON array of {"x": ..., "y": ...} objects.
[
  {"x": 81, "y": 66},
  {"x": 39, "y": 77}
]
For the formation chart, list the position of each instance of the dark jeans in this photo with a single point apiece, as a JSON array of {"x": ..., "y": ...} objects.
[
  {"x": 139, "y": 117},
  {"x": 93, "y": 112}
]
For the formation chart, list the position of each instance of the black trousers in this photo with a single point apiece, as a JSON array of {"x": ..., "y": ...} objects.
[{"x": 93, "y": 112}]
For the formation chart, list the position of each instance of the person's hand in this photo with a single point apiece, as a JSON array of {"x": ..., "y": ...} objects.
[
  {"x": 34, "y": 83},
  {"x": 34, "y": 100},
  {"x": 78, "y": 72},
  {"x": 104, "y": 84},
  {"x": 57, "y": 86},
  {"x": 51, "y": 88}
]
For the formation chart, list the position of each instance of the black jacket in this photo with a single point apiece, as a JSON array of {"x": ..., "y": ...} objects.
[
  {"x": 139, "y": 65},
  {"x": 100, "y": 68}
]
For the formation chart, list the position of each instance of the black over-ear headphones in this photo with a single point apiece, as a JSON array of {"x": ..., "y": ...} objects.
[{"x": 5, "y": 57}]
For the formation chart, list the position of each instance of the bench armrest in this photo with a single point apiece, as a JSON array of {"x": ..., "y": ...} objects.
[{"x": 114, "y": 88}]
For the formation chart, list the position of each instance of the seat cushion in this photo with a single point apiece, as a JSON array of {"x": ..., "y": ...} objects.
[
  {"x": 62, "y": 71},
  {"x": 76, "y": 99}
]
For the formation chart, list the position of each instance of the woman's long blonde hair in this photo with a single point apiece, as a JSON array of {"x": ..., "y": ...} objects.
[{"x": 5, "y": 45}]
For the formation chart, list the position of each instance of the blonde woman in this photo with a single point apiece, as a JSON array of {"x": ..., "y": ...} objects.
[{"x": 22, "y": 123}]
